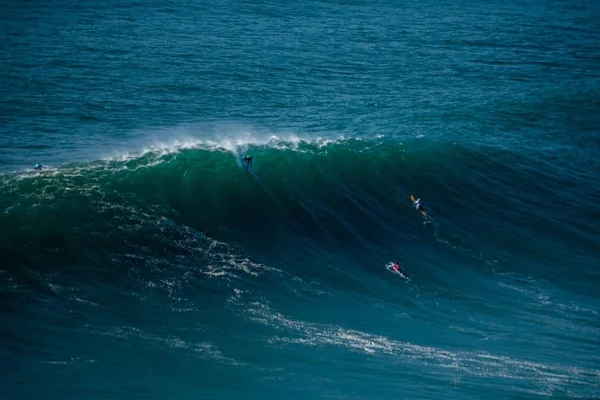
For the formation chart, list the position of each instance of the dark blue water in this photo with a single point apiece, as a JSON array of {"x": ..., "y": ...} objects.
[{"x": 144, "y": 262}]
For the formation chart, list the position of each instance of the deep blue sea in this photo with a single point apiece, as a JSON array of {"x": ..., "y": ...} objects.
[{"x": 144, "y": 261}]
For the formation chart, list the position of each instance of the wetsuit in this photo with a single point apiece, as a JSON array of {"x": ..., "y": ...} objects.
[
  {"x": 418, "y": 206},
  {"x": 398, "y": 269}
]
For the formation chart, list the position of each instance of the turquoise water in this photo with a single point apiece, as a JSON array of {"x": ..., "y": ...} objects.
[{"x": 144, "y": 262}]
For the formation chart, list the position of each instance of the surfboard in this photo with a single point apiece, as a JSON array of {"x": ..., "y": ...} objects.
[{"x": 252, "y": 173}]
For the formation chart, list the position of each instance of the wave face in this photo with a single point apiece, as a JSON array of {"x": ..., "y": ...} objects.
[{"x": 156, "y": 256}]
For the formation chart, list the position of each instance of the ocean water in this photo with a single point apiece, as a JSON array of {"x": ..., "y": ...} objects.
[{"x": 145, "y": 262}]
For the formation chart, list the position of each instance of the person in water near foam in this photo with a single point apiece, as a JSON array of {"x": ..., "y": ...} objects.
[
  {"x": 397, "y": 268},
  {"x": 248, "y": 161},
  {"x": 38, "y": 166},
  {"x": 417, "y": 204}
]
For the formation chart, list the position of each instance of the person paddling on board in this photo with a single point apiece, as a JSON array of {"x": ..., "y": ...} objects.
[
  {"x": 417, "y": 204},
  {"x": 248, "y": 161},
  {"x": 38, "y": 167},
  {"x": 397, "y": 268}
]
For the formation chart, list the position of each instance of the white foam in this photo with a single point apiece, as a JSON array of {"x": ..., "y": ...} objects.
[
  {"x": 233, "y": 138},
  {"x": 457, "y": 363},
  {"x": 154, "y": 147},
  {"x": 201, "y": 349}
]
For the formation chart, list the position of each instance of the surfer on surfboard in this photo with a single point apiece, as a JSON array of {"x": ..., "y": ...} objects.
[
  {"x": 248, "y": 161},
  {"x": 418, "y": 205},
  {"x": 247, "y": 164},
  {"x": 397, "y": 268}
]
